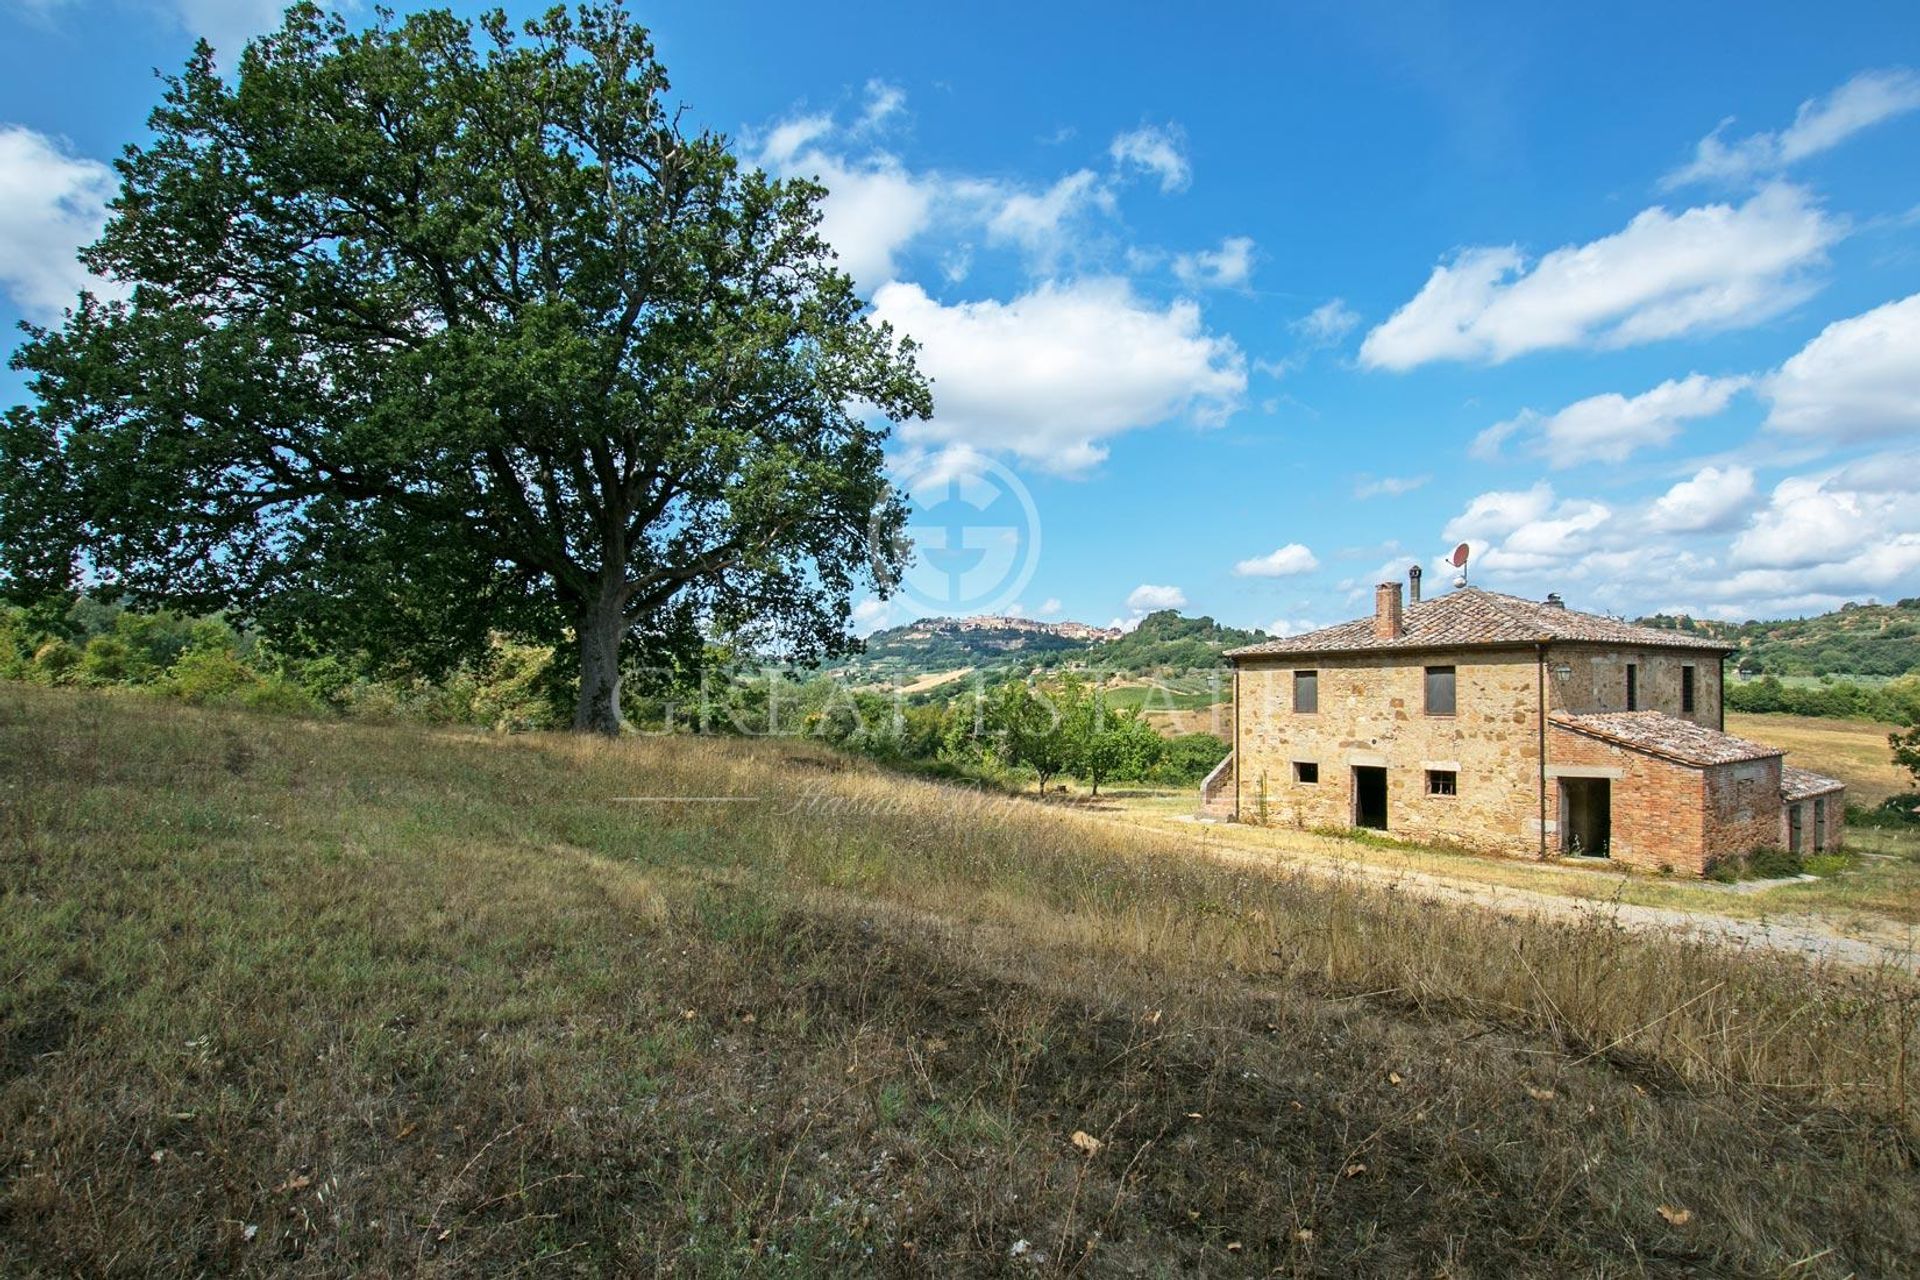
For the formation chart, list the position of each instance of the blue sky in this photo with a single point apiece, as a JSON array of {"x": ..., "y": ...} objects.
[{"x": 1260, "y": 303}]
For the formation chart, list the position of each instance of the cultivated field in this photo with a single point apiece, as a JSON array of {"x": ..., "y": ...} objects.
[{"x": 314, "y": 997}]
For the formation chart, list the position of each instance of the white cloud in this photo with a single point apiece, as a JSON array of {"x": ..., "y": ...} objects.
[
  {"x": 1860, "y": 378},
  {"x": 1228, "y": 267},
  {"x": 1037, "y": 221},
  {"x": 1611, "y": 427},
  {"x": 1820, "y": 124},
  {"x": 1290, "y": 559},
  {"x": 1146, "y": 597},
  {"x": 1494, "y": 514},
  {"x": 1709, "y": 501},
  {"x": 1327, "y": 323},
  {"x": 1809, "y": 520},
  {"x": 1050, "y": 375},
  {"x": 876, "y": 207},
  {"x": 1157, "y": 151},
  {"x": 1387, "y": 486},
  {"x": 52, "y": 204},
  {"x": 870, "y": 616},
  {"x": 1713, "y": 267},
  {"x": 1291, "y": 626},
  {"x": 884, "y": 101},
  {"x": 1051, "y": 606}
]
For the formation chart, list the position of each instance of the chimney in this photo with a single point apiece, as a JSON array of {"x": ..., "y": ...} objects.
[
  {"x": 1413, "y": 585},
  {"x": 1387, "y": 623},
  {"x": 1554, "y": 601}
]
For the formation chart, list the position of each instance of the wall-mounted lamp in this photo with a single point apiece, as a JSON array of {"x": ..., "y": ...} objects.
[{"x": 1561, "y": 671}]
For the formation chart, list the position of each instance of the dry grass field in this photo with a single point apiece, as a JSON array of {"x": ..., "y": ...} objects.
[
  {"x": 297, "y": 997},
  {"x": 1854, "y": 751}
]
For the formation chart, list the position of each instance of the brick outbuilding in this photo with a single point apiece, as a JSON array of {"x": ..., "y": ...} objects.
[{"x": 1513, "y": 726}]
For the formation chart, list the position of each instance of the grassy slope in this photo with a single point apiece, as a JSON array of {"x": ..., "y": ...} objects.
[{"x": 287, "y": 995}]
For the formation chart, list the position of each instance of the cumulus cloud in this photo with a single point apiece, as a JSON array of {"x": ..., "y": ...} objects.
[
  {"x": 1053, "y": 373},
  {"x": 1051, "y": 606},
  {"x": 1820, "y": 124},
  {"x": 1160, "y": 152},
  {"x": 1611, "y": 427},
  {"x": 1147, "y": 597},
  {"x": 52, "y": 204},
  {"x": 1228, "y": 267},
  {"x": 1859, "y": 379},
  {"x": 1528, "y": 530},
  {"x": 1288, "y": 560},
  {"x": 1664, "y": 275},
  {"x": 1710, "y": 501}
]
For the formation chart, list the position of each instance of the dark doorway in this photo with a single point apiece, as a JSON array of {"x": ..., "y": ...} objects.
[
  {"x": 1586, "y": 816},
  {"x": 1370, "y": 797}
]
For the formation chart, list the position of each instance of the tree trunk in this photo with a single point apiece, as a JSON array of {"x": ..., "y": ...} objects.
[{"x": 600, "y": 630}]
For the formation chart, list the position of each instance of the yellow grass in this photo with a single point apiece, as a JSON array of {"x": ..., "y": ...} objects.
[
  {"x": 288, "y": 997},
  {"x": 1854, "y": 751}
]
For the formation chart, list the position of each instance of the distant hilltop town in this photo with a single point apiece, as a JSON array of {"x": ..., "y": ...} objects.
[{"x": 1004, "y": 622}]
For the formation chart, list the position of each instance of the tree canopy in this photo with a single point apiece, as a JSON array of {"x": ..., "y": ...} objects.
[{"x": 437, "y": 330}]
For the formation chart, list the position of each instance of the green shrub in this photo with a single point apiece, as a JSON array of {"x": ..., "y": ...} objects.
[
  {"x": 55, "y": 662},
  {"x": 1773, "y": 863},
  {"x": 111, "y": 660},
  {"x": 208, "y": 675},
  {"x": 280, "y": 696}
]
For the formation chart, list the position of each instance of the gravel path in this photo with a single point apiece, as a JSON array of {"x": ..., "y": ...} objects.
[{"x": 1800, "y": 934}]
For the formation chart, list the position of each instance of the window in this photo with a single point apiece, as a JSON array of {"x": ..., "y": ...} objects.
[
  {"x": 1443, "y": 782},
  {"x": 1306, "y": 771},
  {"x": 1306, "y": 691},
  {"x": 1439, "y": 691},
  {"x": 1633, "y": 686},
  {"x": 1794, "y": 816},
  {"x": 1686, "y": 691}
]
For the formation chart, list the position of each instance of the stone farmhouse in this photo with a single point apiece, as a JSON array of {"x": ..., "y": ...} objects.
[{"x": 1511, "y": 726}]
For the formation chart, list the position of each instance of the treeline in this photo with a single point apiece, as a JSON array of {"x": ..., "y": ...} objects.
[
  {"x": 1008, "y": 731},
  {"x": 1896, "y": 702},
  {"x": 208, "y": 661},
  {"x": 1853, "y": 640},
  {"x": 1001, "y": 730},
  {"x": 1166, "y": 641}
]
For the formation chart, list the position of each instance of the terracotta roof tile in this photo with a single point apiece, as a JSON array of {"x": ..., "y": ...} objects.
[
  {"x": 1660, "y": 734},
  {"x": 1801, "y": 784},
  {"x": 1470, "y": 616}
]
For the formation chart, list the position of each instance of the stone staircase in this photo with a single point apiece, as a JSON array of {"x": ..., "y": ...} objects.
[{"x": 1216, "y": 792}]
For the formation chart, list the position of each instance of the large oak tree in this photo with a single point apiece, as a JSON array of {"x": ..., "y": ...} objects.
[{"x": 436, "y": 330}]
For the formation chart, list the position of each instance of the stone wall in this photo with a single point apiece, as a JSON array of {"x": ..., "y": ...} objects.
[
  {"x": 1372, "y": 712},
  {"x": 1597, "y": 681}
]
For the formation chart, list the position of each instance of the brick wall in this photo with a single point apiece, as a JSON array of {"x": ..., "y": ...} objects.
[{"x": 1668, "y": 816}]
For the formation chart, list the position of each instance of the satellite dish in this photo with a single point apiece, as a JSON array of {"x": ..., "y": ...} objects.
[{"x": 1459, "y": 557}]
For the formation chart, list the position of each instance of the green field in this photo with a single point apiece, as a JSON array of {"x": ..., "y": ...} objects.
[{"x": 313, "y": 997}]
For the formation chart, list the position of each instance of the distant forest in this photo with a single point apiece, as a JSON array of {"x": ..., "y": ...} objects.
[{"x": 1881, "y": 640}]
